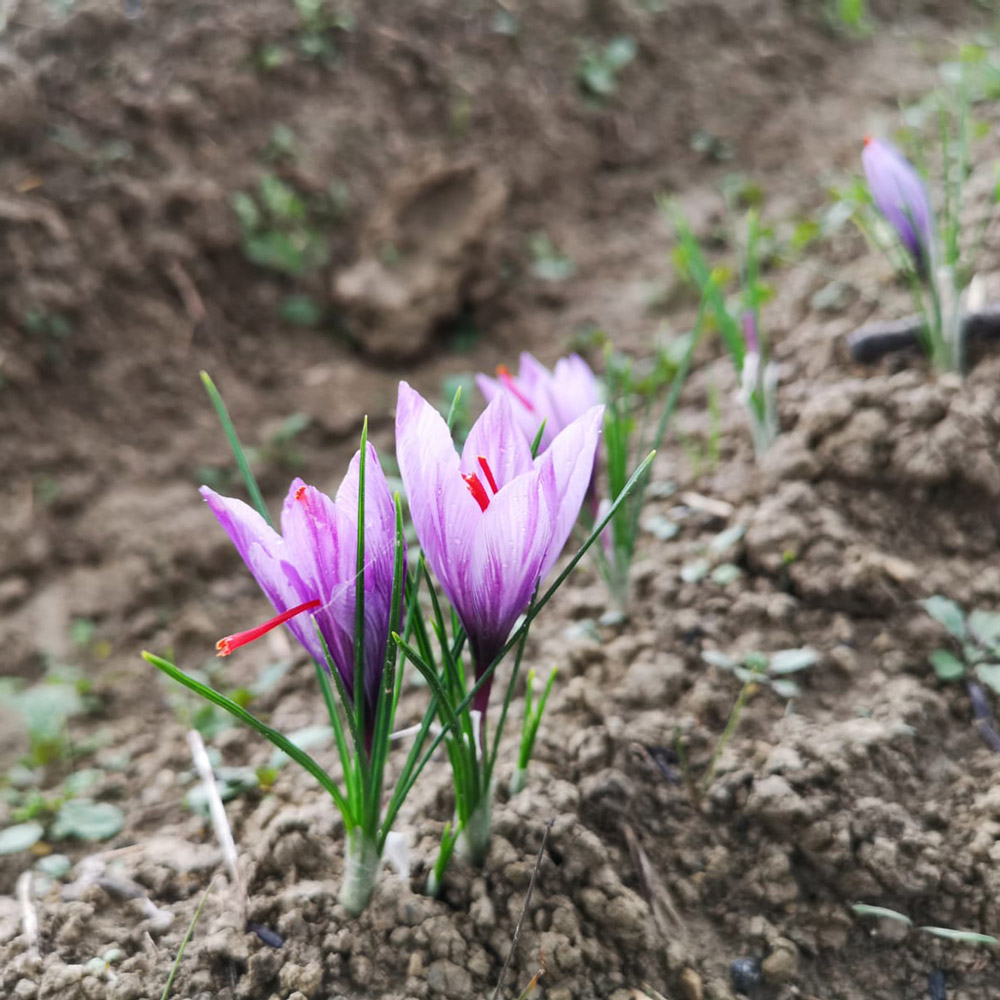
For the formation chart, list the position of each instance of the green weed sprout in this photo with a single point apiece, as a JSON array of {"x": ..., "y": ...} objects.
[
  {"x": 529, "y": 727},
  {"x": 737, "y": 321},
  {"x": 977, "y": 663}
]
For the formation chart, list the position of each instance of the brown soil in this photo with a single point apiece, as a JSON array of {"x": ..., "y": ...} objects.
[{"x": 122, "y": 274}]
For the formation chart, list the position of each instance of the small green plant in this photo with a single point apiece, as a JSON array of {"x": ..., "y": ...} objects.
[
  {"x": 548, "y": 262},
  {"x": 850, "y": 16},
  {"x": 599, "y": 67},
  {"x": 319, "y": 23},
  {"x": 977, "y": 638},
  {"x": 737, "y": 319},
  {"x": 976, "y": 662},
  {"x": 772, "y": 670},
  {"x": 529, "y": 727},
  {"x": 281, "y": 230},
  {"x": 632, "y": 427}
]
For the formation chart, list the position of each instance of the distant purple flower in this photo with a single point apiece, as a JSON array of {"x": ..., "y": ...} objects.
[
  {"x": 311, "y": 567},
  {"x": 899, "y": 194},
  {"x": 558, "y": 397},
  {"x": 492, "y": 521}
]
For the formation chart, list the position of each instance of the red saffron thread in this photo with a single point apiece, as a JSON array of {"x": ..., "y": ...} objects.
[
  {"x": 503, "y": 373},
  {"x": 230, "y": 642},
  {"x": 488, "y": 473},
  {"x": 477, "y": 490}
]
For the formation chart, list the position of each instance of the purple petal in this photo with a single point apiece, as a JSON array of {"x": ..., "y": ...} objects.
[
  {"x": 565, "y": 471},
  {"x": 442, "y": 509},
  {"x": 320, "y": 540},
  {"x": 573, "y": 390},
  {"x": 899, "y": 194},
  {"x": 265, "y": 554}
]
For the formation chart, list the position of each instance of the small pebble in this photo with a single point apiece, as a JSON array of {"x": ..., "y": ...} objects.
[{"x": 745, "y": 975}]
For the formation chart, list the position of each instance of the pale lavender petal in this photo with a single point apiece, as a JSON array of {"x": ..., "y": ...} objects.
[
  {"x": 488, "y": 386},
  {"x": 572, "y": 391},
  {"x": 442, "y": 509},
  {"x": 497, "y": 437},
  {"x": 565, "y": 471},
  {"x": 380, "y": 510}
]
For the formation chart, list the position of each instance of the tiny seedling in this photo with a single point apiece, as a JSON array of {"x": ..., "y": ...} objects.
[
  {"x": 548, "y": 262},
  {"x": 773, "y": 670},
  {"x": 599, "y": 67},
  {"x": 716, "y": 564},
  {"x": 976, "y": 662},
  {"x": 948, "y": 933},
  {"x": 281, "y": 229}
]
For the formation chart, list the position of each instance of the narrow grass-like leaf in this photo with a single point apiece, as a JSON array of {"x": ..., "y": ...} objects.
[
  {"x": 256, "y": 497},
  {"x": 280, "y": 741},
  {"x": 184, "y": 942},
  {"x": 965, "y": 937},
  {"x": 864, "y": 910}
]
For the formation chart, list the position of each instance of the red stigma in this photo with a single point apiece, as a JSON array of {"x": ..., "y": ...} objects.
[
  {"x": 868, "y": 141},
  {"x": 300, "y": 493},
  {"x": 488, "y": 473},
  {"x": 503, "y": 373},
  {"x": 477, "y": 490},
  {"x": 228, "y": 643}
]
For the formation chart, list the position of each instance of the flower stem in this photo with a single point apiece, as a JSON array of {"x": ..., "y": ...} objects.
[
  {"x": 474, "y": 837},
  {"x": 361, "y": 868}
]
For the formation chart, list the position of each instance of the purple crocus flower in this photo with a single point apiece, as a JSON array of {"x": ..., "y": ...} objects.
[
  {"x": 558, "y": 397},
  {"x": 308, "y": 571},
  {"x": 493, "y": 520},
  {"x": 899, "y": 194}
]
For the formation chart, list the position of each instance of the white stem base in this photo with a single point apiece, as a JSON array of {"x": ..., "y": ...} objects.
[
  {"x": 361, "y": 868},
  {"x": 474, "y": 838}
]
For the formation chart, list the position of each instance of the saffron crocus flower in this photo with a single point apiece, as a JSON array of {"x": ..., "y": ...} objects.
[
  {"x": 308, "y": 571},
  {"x": 899, "y": 194},
  {"x": 558, "y": 397},
  {"x": 493, "y": 520}
]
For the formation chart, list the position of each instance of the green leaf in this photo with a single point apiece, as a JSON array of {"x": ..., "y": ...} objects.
[
  {"x": 56, "y": 866},
  {"x": 280, "y": 200},
  {"x": 725, "y": 574},
  {"x": 19, "y": 838},
  {"x": 620, "y": 52},
  {"x": 300, "y": 310},
  {"x": 79, "y": 781},
  {"x": 694, "y": 572},
  {"x": 984, "y": 626},
  {"x": 661, "y": 527},
  {"x": 947, "y": 613},
  {"x": 790, "y": 661},
  {"x": 719, "y": 659},
  {"x": 864, "y": 910},
  {"x": 84, "y": 819},
  {"x": 725, "y": 540},
  {"x": 246, "y": 210},
  {"x": 947, "y": 666},
  {"x": 989, "y": 674},
  {"x": 785, "y": 688},
  {"x": 306, "y": 738},
  {"x": 966, "y": 937}
]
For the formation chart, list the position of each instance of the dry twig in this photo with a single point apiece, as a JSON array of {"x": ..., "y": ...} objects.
[{"x": 524, "y": 908}]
